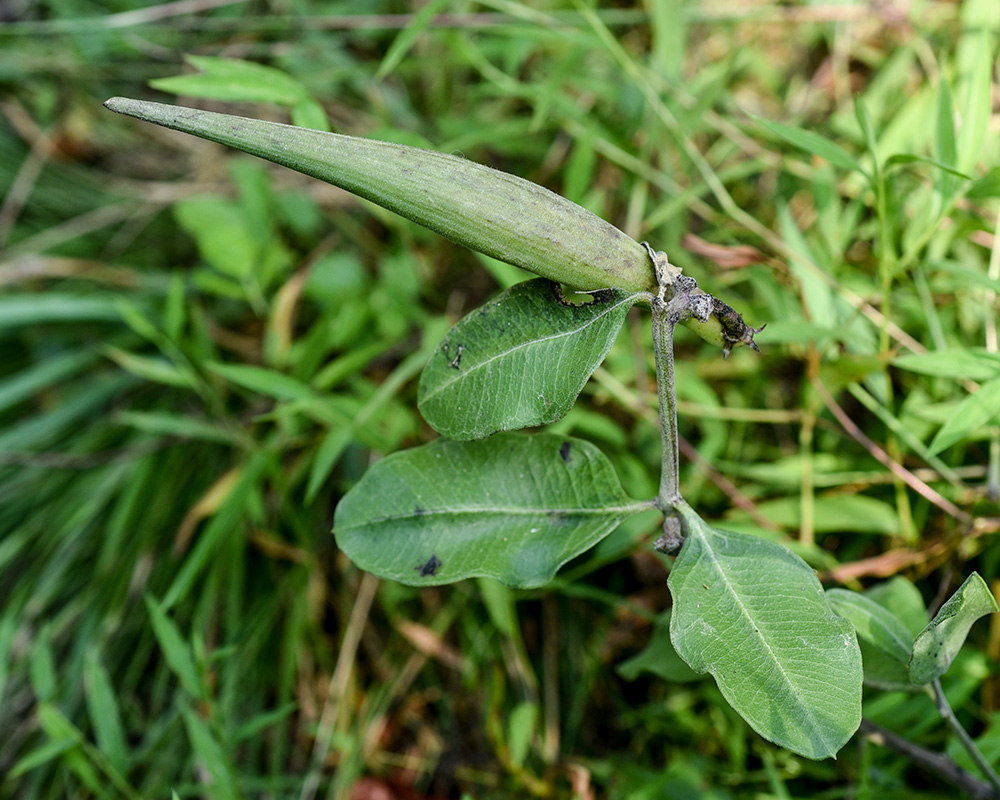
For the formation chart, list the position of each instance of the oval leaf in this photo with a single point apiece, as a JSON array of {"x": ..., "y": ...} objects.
[
  {"x": 518, "y": 361},
  {"x": 753, "y": 614},
  {"x": 885, "y": 642},
  {"x": 938, "y": 644},
  {"x": 512, "y": 507}
]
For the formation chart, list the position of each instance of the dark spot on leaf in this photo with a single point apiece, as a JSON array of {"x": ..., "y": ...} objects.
[
  {"x": 564, "y": 449},
  {"x": 430, "y": 567},
  {"x": 418, "y": 511}
]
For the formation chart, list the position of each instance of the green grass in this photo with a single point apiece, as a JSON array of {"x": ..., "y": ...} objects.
[{"x": 200, "y": 353}]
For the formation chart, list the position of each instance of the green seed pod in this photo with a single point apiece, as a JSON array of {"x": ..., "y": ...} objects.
[{"x": 492, "y": 212}]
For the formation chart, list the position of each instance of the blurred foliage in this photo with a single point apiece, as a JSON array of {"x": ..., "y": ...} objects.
[{"x": 201, "y": 352}]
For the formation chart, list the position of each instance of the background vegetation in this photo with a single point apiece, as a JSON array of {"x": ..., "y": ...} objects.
[{"x": 199, "y": 353}]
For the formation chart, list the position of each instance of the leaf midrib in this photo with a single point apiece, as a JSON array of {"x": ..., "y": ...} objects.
[{"x": 818, "y": 731}]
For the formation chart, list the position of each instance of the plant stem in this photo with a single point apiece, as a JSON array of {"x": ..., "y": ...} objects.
[
  {"x": 944, "y": 709},
  {"x": 939, "y": 764},
  {"x": 663, "y": 348}
]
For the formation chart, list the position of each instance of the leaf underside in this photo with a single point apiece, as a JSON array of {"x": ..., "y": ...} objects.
[
  {"x": 753, "y": 614},
  {"x": 937, "y": 645}
]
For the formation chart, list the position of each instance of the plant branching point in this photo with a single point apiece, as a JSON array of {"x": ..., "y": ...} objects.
[{"x": 677, "y": 300}]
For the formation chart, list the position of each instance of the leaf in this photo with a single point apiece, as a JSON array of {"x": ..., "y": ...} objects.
[
  {"x": 520, "y": 729},
  {"x": 867, "y": 125},
  {"x": 975, "y": 364},
  {"x": 906, "y": 158},
  {"x": 513, "y": 507},
  {"x": 22, "y": 309},
  {"x": 518, "y": 361},
  {"x": 264, "y": 381},
  {"x": 885, "y": 642},
  {"x": 754, "y": 615},
  {"x": 234, "y": 80},
  {"x": 938, "y": 644},
  {"x": 812, "y": 143},
  {"x": 210, "y": 754},
  {"x": 175, "y": 650},
  {"x": 660, "y": 658},
  {"x": 973, "y": 412},
  {"x": 903, "y": 600},
  {"x": 977, "y": 58},
  {"x": 856, "y": 513},
  {"x": 105, "y": 716}
]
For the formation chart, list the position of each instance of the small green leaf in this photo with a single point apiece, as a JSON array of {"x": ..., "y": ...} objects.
[
  {"x": 867, "y": 125},
  {"x": 975, "y": 364},
  {"x": 903, "y": 600},
  {"x": 972, "y": 413},
  {"x": 212, "y": 757},
  {"x": 264, "y": 381},
  {"x": 938, "y": 644},
  {"x": 234, "y": 80},
  {"x": 175, "y": 650},
  {"x": 976, "y": 110},
  {"x": 105, "y": 717},
  {"x": 660, "y": 658},
  {"x": 518, "y": 361},
  {"x": 812, "y": 143},
  {"x": 906, "y": 158},
  {"x": 22, "y": 309},
  {"x": 520, "y": 730},
  {"x": 987, "y": 186},
  {"x": 885, "y": 642},
  {"x": 944, "y": 128},
  {"x": 512, "y": 507},
  {"x": 754, "y": 615}
]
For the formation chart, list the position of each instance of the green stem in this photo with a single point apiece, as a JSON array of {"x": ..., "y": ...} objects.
[
  {"x": 663, "y": 348},
  {"x": 944, "y": 709}
]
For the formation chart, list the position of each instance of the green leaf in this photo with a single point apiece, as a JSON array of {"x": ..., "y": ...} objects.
[
  {"x": 885, "y": 642},
  {"x": 976, "y": 110},
  {"x": 492, "y": 212},
  {"x": 210, "y": 754},
  {"x": 520, "y": 730},
  {"x": 18, "y": 310},
  {"x": 867, "y": 125},
  {"x": 754, "y": 615},
  {"x": 856, "y": 513},
  {"x": 175, "y": 650},
  {"x": 812, "y": 143},
  {"x": 408, "y": 36},
  {"x": 234, "y": 80},
  {"x": 903, "y": 599},
  {"x": 660, "y": 658},
  {"x": 512, "y": 507},
  {"x": 944, "y": 128},
  {"x": 987, "y": 186},
  {"x": 105, "y": 717},
  {"x": 938, "y": 644},
  {"x": 973, "y": 412},
  {"x": 264, "y": 381},
  {"x": 224, "y": 234},
  {"x": 975, "y": 364},
  {"x": 906, "y": 158},
  {"x": 518, "y": 361}
]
